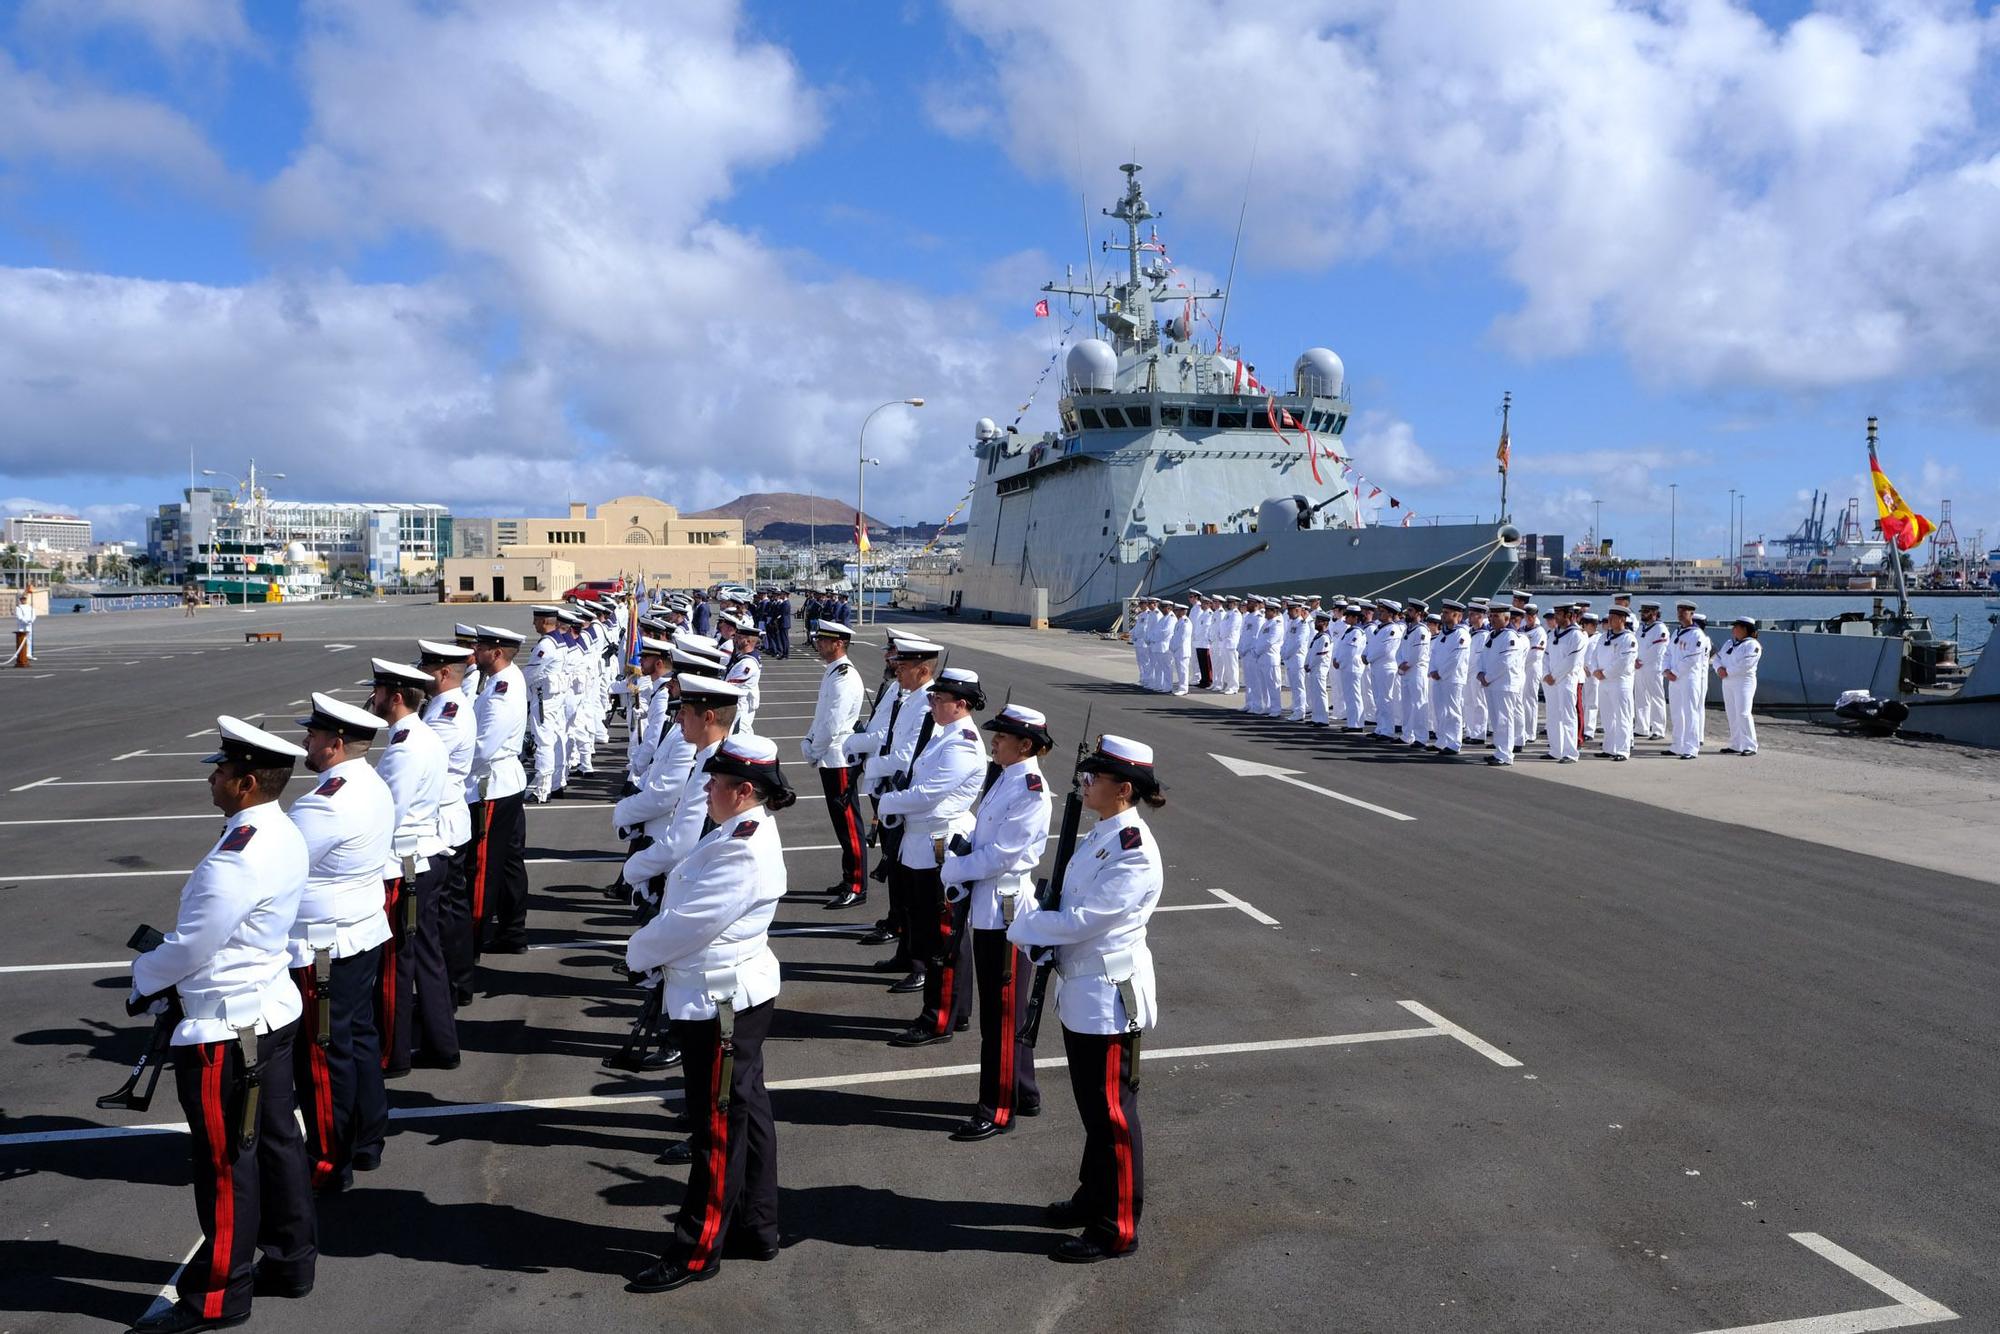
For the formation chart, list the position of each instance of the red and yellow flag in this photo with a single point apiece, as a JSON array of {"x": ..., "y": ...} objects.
[{"x": 1900, "y": 524}]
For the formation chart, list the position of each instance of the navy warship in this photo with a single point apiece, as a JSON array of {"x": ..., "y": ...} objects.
[{"x": 1175, "y": 468}]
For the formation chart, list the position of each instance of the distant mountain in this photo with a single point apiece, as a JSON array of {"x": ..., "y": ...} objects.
[{"x": 762, "y": 509}]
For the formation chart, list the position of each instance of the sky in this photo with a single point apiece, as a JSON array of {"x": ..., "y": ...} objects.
[{"x": 507, "y": 253}]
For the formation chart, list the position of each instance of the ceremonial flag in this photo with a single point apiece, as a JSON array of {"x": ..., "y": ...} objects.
[
  {"x": 1042, "y": 309},
  {"x": 860, "y": 532},
  {"x": 1899, "y": 523},
  {"x": 1504, "y": 452}
]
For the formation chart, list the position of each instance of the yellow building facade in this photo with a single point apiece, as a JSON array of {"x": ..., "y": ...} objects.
[{"x": 627, "y": 537}]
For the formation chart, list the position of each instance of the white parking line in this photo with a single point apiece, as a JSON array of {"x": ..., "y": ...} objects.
[
  {"x": 39, "y": 783},
  {"x": 654, "y": 1096},
  {"x": 1911, "y": 1308},
  {"x": 1449, "y": 1029}
]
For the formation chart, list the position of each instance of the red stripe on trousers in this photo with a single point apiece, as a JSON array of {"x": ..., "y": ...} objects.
[
  {"x": 479, "y": 868},
  {"x": 1121, "y": 1140},
  {"x": 718, "y": 1163},
  {"x": 224, "y": 1241},
  {"x": 392, "y": 890},
  {"x": 321, "y": 1078},
  {"x": 1003, "y": 1103},
  {"x": 946, "y": 973},
  {"x": 853, "y": 829}
]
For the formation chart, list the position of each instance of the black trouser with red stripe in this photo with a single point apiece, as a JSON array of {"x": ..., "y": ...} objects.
[
  {"x": 392, "y": 983},
  {"x": 503, "y": 893},
  {"x": 456, "y": 923},
  {"x": 1207, "y": 668},
  {"x": 843, "y": 804},
  {"x": 246, "y": 1201},
  {"x": 413, "y": 1007},
  {"x": 1006, "y": 1064},
  {"x": 939, "y": 939},
  {"x": 1111, "y": 1184},
  {"x": 340, "y": 1084},
  {"x": 732, "y": 1188}
]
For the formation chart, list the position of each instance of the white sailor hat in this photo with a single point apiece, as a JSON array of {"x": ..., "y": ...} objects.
[
  {"x": 344, "y": 720},
  {"x": 1615, "y": 610},
  {"x": 1579, "y": 604},
  {"x": 1417, "y": 605},
  {"x": 463, "y": 631},
  {"x": 1520, "y": 595},
  {"x": 505, "y": 638},
  {"x": 960, "y": 683},
  {"x": 1532, "y": 609},
  {"x": 1700, "y": 619},
  {"x": 1479, "y": 604},
  {"x": 1430, "y": 616},
  {"x": 908, "y": 646},
  {"x": 1352, "y": 608},
  {"x": 1687, "y": 604},
  {"x": 695, "y": 643},
  {"x": 1323, "y": 613},
  {"x": 1253, "y": 597},
  {"x": 569, "y": 616},
  {"x": 398, "y": 674},
  {"x": 831, "y": 630},
  {"x": 659, "y": 648},
  {"x": 1649, "y": 606},
  {"x": 1747, "y": 622},
  {"x": 1231, "y": 597},
  {"x": 253, "y": 745},
  {"x": 1452, "y": 604},
  {"x": 1020, "y": 720},
  {"x": 708, "y": 692},
  {"x": 430, "y": 653},
  {"x": 749, "y": 756},
  {"x": 1196, "y": 593},
  {"x": 1124, "y": 759},
  {"x": 1588, "y": 615},
  {"x": 1388, "y": 604},
  {"x": 540, "y": 610},
  {"x": 685, "y": 658}
]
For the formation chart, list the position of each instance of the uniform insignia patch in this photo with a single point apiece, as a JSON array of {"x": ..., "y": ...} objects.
[
  {"x": 239, "y": 838},
  {"x": 1129, "y": 837},
  {"x": 402, "y": 735},
  {"x": 1035, "y": 783},
  {"x": 450, "y": 710},
  {"x": 744, "y": 830},
  {"x": 329, "y": 787},
  {"x": 499, "y": 687},
  {"x": 840, "y": 669}
]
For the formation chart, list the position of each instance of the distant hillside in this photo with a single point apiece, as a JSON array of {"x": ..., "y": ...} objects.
[{"x": 760, "y": 509}]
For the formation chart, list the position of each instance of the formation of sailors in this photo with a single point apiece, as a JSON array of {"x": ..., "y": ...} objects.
[
  {"x": 1474, "y": 673},
  {"x": 322, "y": 950}
]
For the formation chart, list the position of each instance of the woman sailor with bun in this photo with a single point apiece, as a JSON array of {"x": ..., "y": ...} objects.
[{"x": 1107, "y": 1000}]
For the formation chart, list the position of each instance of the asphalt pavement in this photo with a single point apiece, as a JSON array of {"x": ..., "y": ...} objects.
[{"x": 1528, "y": 1058}]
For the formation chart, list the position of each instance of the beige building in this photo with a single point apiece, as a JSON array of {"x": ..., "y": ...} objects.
[{"x": 628, "y": 537}]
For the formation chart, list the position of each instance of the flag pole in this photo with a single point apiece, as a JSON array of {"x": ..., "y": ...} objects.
[
  {"x": 1506, "y": 410},
  {"x": 1895, "y": 551}
]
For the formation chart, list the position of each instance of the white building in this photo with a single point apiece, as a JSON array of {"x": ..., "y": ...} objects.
[
  {"x": 49, "y": 532},
  {"x": 377, "y": 541}
]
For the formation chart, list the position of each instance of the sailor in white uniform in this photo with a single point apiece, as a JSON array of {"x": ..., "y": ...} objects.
[
  {"x": 1180, "y": 649},
  {"x": 224, "y": 966},
  {"x": 1687, "y": 683},
  {"x": 1617, "y": 663},
  {"x": 546, "y": 671},
  {"x": 746, "y": 669},
  {"x": 1500, "y": 668},
  {"x": 1247, "y": 632},
  {"x": 1450, "y": 655},
  {"x": 1385, "y": 641},
  {"x": 413, "y": 1005},
  {"x": 1649, "y": 692},
  {"x": 1292, "y": 655},
  {"x": 1472, "y": 698},
  {"x": 887, "y": 747},
  {"x": 1319, "y": 669},
  {"x": 836, "y": 714},
  {"x": 1736, "y": 667},
  {"x": 1413, "y": 672},
  {"x": 500, "y": 885},
  {"x": 1107, "y": 999},
  {"x": 1223, "y": 640},
  {"x": 449, "y": 713},
  {"x": 1562, "y": 684}
]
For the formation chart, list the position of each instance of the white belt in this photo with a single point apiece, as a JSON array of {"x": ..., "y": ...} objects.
[
  {"x": 237, "y": 1009},
  {"x": 1117, "y": 966}
]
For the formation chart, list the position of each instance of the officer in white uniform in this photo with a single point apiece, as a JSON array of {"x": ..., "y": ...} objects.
[
  {"x": 1222, "y": 644},
  {"x": 1534, "y": 662},
  {"x": 1180, "y": 649},
  {"x": 1472, "y": 699},
  {"x": 651, "y": 709},
  {"x": 1450, "y": 655},
  {"x": 1270, "y": 645},
  {"x": 1385, "y": 640},
  {"x": 223, "y": 965},
  {"x": 706, "y": 715},
  {"x": 1562, "y": 683},
  {"x": 996, "y": 868},
  {"x": 1292, "y": 655},
  {"x": 467, "y": 638},
  {"x": 746, "y": 669},
  {"x": 449, "y": 713},
  {"x": 945, "y": 776},
  {"x": 1617, "y": 662},
  {"x": 349, "y": 824},
  {"x": 1687, "y": 683},
  {"x": 547, "y": 673},
  {"x": 1319, "y": 669},
  {"x": 1350, "y": 654},
  {"x": 709, "y": 948},
  {"x": 908, "y": 725},
  {"x": 1736, "y": 666},
  {"x": 1649, "y": 693},
  {"x": 1413, "y": 673},
  {"x": 500, "y": 878},
  {"x": 1107, "y": 1000},
  {"x": 1247, "y": 632},
  {"x": 1500, "y": 669},
  {"x": 413, "y": 1005},
  {"x": 836, "y": 713}
]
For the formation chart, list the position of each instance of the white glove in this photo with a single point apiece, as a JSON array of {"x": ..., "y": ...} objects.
[{"x": 805, "y": 749}]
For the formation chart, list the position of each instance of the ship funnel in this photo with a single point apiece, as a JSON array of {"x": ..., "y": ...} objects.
[{"x": 1508, "y": 535}]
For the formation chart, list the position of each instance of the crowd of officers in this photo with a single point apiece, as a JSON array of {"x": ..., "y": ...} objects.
[
  {"x": 324, "y": 949},
  {"x": 1470, "y": 673}
]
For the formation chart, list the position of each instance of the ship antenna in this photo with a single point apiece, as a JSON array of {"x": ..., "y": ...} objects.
[
  {"x": 1089, "y": 266},
  {"x": 1229, "y": 284}
]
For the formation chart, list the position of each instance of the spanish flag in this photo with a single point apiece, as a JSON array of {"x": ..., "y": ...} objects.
[
  {"x": 861, "y": 532},
  {"x": 1899, "y": 523}
]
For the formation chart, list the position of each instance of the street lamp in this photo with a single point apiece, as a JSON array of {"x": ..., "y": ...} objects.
[{"x": 861, "y": 509}]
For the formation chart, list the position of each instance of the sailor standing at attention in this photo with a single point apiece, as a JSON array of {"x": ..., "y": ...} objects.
[
  {"x": 1500, "y": 668},
  {"x": 547, "y": 675},
  {"x": 1649, "y": 692},
  {"x": 1562, "y": 683},
  {"x": 1270, "y": 643},
  {"x": 413, "y": 996},
  {"x": 1617, "y": 659},
  {"x": 1350, "y": 655},
  {"x": 1384, "y": 643},
  {"x": 1107, "y": 999},
  {"x": 500, "y": 885},
  {"x": 1736, "y": 665},
  {"x": 1180, "y": 649},
  {"x": 933, "y": 807},
  {"x": 996, "y": 867},
  {"x": 1686, "y": 676},
  {"x": 746, "y": 669},
  {"x": 836, "y": 714},
  {"x": 449, "y": 713},
  {"x": 1201, "y": 620},
  {"x": 903, "y": 733},
  {"x": 1293, "y": 655},
  {"x": 348, "y": 823},
  {"x": 1228, "y": 630},
  {"x": 1449, "y": 656},
  {"x": 711, "y": 949},
  {"x": 1593, "y": 630},
  {"x": 224, "y": 964},
  {"x": 1472, "y": 698},
  {"x": 1413, "y": 671},
  {"x": 1534, "y": 660},
  {"x": 1319, "y": 668},
  {"x": 1246, "y": 653}
]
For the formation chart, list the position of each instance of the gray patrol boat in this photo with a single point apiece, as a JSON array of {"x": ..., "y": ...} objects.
[{"x": 1175, "y": 469}]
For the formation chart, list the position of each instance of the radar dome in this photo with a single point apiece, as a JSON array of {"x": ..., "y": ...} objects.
[
  {"x": 1179, "y": 328},
  {"x": 1319, "y": 373},
  {"x": 984, "y": 430},
  {"x": 297, "y": 552},
  {"x": 1093, "y": 367}
]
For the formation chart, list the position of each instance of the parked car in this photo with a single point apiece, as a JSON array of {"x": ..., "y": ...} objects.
[{"x": 595, "y": 588}]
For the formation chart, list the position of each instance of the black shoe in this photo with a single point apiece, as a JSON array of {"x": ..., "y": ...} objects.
[
  {"x": 1084, "y": 1251},
  {"x": 737, "y": 1247},
  {"x": 1065, "y": 1213},
  {"x": 913, "y": 982},
  {"x": 181, "y": 1318},
  {"x": 403, "y": 1073},
  {"x": 438, "y": 1062},
  {"x": 367, "y": 1160},
  {"x": 677, "y": 1153},
  {"x": 880, "y": 875},
  {"x": 977, "y": 1128},
  {"x": 1034, "y": 1109},
  {"x": 848, "y": 898},
  {"x": 962, "y": 1025},
  {"x": 895, "y": 963},
  {"x": 881, "y": 935},
  {"x": 666, "y": 1058},
  {"x": 264, "y": 1282},
  {"x": 461, "y": 998},
  {"x": 1729, "y": 750},
  {"x": 511, "y": 947},
  {"x": 917, "y": 1036},
  {"x": 664, "y": 1275}
]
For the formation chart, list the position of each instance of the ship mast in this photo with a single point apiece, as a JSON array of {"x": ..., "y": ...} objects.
[{"x": 1895, "y": 552}]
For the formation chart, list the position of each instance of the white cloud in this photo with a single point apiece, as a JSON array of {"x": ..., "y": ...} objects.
[
  {"x": 46, "y": 120},
  {"x": 172, "y": 26},
  {"x": 1726, "y": 202},
  {"x": 1385, "y": 449}
]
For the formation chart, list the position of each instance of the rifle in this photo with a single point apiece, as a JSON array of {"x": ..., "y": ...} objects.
[
  {"x": 158, "y": 1043},
  {"x": 632, "y": 1052},
  {"x": 1048, "y": 891}
]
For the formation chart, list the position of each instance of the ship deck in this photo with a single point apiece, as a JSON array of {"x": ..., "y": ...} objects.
[{"x": 1596, "y": 1047}]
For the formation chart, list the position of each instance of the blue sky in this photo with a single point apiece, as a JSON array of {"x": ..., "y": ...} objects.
[{"x": 505, "y": 254}]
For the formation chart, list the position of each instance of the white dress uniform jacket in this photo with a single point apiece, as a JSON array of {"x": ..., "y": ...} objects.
[
  {"x": 682, "y": 827},
  {"x": 649, "y": 809},
  {"x": 710, "y": 938},
  {"x": 1099, "y": 930},
  {"x": 449, "y": 716},
  {"x": 747, "y": 672},
  {"x": 348, "y": 823},
  {"x": 867, "y": 745},
  {"x": 503, "y": 721},
  {"x": 228, "y": 954},
  {"x": 416, "y": 769},
  {"x": 944, "y": 782},
  {"x": 834, "y": 717},
  {"x": 1007, "y": 841},
  {"x": 655, "y": 707}
]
